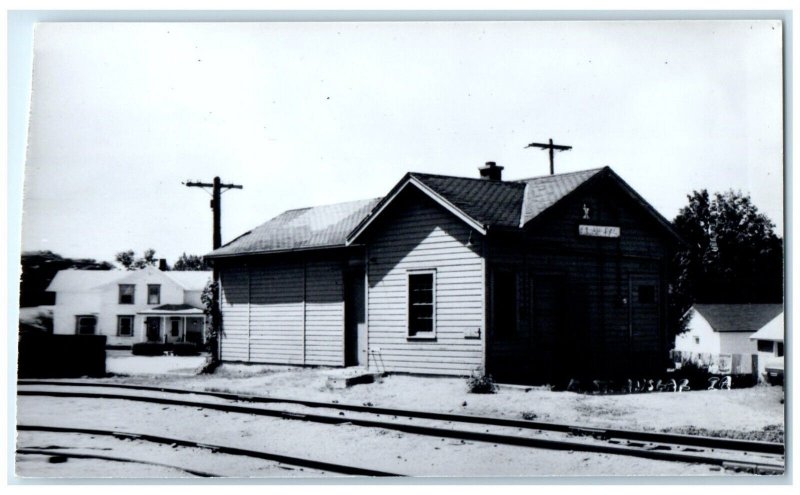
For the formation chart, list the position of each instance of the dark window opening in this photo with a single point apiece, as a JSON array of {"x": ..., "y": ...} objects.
[
  {"x": 153, "y": 294},
  {"x": 86, "y": 325},
  {"x": 765, "y": 346},
  {"x": 421, "y": 305},
  {"x": 505, "y": 304},
  {"x": 125, "y": 326},
  {"x": 647, "y": 294},
  {"x": 126, "y": 293},
  {"x": 780, "y": 349}
]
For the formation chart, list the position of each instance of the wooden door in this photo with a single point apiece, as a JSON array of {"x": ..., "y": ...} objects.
[
  {"x": 153, "y": 324},
  {"x": 355, "y": 319},
  {"x": 644, "y": 320}
]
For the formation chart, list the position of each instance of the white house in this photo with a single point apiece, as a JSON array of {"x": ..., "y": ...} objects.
[
  {"x": 769, "y": 340},
  {"x": 718, "y": 335},
  {"x": 145, "y": 305}
]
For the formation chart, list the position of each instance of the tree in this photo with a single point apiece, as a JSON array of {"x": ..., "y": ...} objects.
[
  {"x": 129, "y": 261},
  {"x": 732, "y": 254},
  {"x": 190, "y": 262},
  {"x": 40, "y": 267}
]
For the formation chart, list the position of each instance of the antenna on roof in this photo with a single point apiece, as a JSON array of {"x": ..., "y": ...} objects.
[{"x": 551, "y": 147}]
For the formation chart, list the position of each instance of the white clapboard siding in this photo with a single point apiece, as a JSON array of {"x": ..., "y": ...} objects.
[
  {"x": 284, "y": 312},
  {"x": 324, "y": 317},
  {"x": 234, "y": 343},
  {"x": 421, "y": 235}
]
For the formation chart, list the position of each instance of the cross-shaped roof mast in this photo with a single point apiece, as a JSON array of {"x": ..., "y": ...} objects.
[{"x": 550, "y": 147}]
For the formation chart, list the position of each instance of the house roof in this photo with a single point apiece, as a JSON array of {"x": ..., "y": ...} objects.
[
  {"x": 190, "y": 280},
  {"x": 738, "y": 317},
  {"x": 773, "y": 330},
  {"x": 172, "y": 309},
  {"x": 304, "y": 228},
  {"x": 543, "y": 192},
  {"x": 481, "y": 203},
  {"x": 73, "y": 280}
]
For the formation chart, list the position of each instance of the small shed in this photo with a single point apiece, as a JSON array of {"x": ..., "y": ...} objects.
[{"x": 725, "y": 330}]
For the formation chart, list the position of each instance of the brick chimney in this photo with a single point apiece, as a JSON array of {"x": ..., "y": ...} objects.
[
  {"x": 162, "y": 264},
  {"x": 491, "y": 171}
]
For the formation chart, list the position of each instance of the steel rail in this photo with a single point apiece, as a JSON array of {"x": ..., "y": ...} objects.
[
  {"x": 75, "y": 455},
  {"x": 641, "y": 436},
  {"x": 504, "y": 439},
  {"x": 295, "y": 461}
]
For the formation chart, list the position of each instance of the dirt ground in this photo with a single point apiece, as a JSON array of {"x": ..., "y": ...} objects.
[{"x": 756, "y": 413}]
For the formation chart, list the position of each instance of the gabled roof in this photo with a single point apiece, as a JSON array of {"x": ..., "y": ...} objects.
[
  {"x": 190, "y": 280},
  {"x": 480, "y": 203},
  {"x": 738, "y": 317},
  {"x": 543, "y": 192},
  {"x": 304, "y": 228},
  {"x": 771, "y": 331},
  {"x": 73, "y": 280},
  {"x": 489, "y": 202},
  {"x": 485, "y": 204}
]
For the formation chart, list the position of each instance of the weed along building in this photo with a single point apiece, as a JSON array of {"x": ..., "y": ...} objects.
[{"x": 533, "y": 281}]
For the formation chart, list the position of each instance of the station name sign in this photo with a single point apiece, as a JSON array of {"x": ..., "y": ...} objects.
[{"x": 598, "y": 231}]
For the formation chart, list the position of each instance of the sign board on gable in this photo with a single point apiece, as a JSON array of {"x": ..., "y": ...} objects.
[{"x": 598, "y": 231}]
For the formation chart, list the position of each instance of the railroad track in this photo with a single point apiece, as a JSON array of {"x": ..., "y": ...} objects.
[
  {"x": 740, "y": 455},
  {"x": 258, "y": 454}
]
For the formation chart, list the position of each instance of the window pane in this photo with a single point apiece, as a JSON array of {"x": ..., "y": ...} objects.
[
  {"x": 421, "y": 308},
  {"x": 86, "y": 325},
  {"x": 153, "y": 294},
  {"x": 126, "y": 294},
  {"x": 125, "y": 326},
  {"x": 764, "y": 346}
]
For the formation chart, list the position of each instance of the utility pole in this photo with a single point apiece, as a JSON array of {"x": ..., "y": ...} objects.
[
  {"x": 216, "y": 206},
  {"x": 551, "y": 147}
]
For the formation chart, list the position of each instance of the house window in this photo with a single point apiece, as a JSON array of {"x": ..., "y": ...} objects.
[
  {"x": 125, "y": 326},
  {"x": 765, "y": 346},
  {"x": 647, "y": 294},
  {"x": 697, "y": 340},
  {"x": 154, "y": 294},
  {"x": 504, "y": 304},
  {"x": 421, "y": 304},
  {"x": 780, "y": 349},
  {"x": 85, "y": 325},
  {"x": 126, "y": 293}
]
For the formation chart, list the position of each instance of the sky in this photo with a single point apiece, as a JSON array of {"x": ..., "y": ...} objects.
[{"x": 304, "y": 114}]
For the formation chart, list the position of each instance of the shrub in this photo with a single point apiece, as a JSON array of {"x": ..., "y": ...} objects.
[
  {"x": 481, "y": 384},
  {"x": 148, "y": 349},
  {"x": 185, "y": 349}
]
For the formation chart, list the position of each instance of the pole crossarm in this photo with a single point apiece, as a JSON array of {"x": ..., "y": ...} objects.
[
  {"x": 550, "y": 147},
  {"x": 557, "y": 147}
]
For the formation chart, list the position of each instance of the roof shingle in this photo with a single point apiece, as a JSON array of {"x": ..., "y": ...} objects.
[
  {"x": 304, "y": 228},
  {"x": 738, "y": 317},
  {"x": 504, "y": 204}
]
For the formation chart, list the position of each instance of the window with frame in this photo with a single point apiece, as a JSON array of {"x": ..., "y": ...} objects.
[
  {"x": 126, "y": 293},
  {"x": 125, "y": 325},
  {"x": 780, "y": 349},
  {"x": 85, "y": 324},
  {"x": 422, "y": 304},
  {"x": 504, "y": 304},
  {"x": 153, "y": 294}
]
